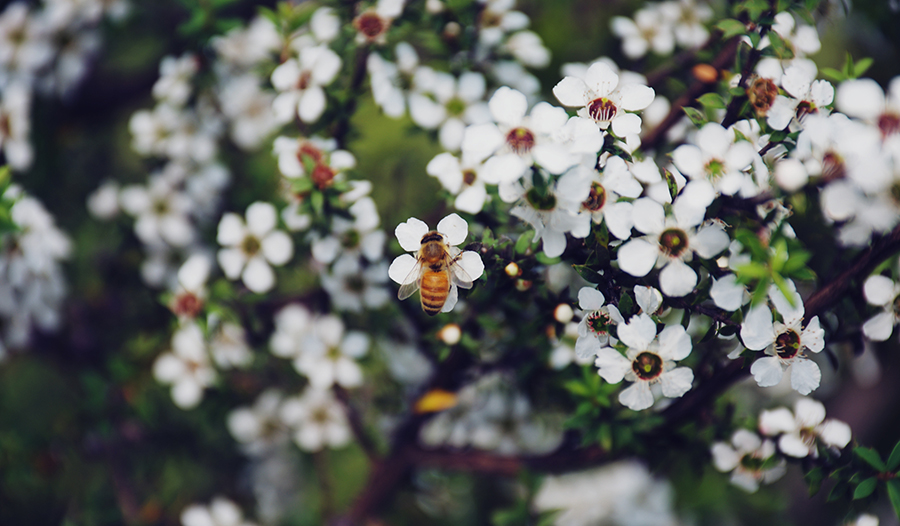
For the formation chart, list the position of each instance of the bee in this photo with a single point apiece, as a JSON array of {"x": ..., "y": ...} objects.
[{"x": 436, "y": 270}]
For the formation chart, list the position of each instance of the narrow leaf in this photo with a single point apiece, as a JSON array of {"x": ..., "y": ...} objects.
[
  {"x": 894, "y": 460},
  {"x": 731, "y": 27},
  {"x": 865, "y": 488},
  {"x": 893, "y": 491},
  {"x": 871, "y": 457}
]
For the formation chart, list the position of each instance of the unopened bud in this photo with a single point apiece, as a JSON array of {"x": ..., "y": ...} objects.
[
  {"x": 563, "y": 313},
  {"x": 434, "y": 6},
  {"x": 450, "y": 334},
  {"x": 512, "y": 270},
  {"x": 452, "y": 30},
  {"x": 523, "y": 284},
  {"x": 705, "y": 73}
]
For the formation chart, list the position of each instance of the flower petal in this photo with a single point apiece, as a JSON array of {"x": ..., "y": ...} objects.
[
  {"x": 767, "y": 371},
  {"x": 572, "y": 91},
  {"x": 805, "y": 376},
  {"x": 637, "y": 257},
  {"x": 590, "y": 299},
  {"x": 410, "y": 233},
  {"x": 637, "y": 397},
  {"x": 677, "y": 279},
  {"x": 455, "y": 228},
  {"x": 676, "y": 382},
  {"x": 278, "y": 248}
]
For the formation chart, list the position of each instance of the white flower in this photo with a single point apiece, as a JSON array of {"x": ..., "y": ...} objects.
[
  {"x": 359, "y": 237},
  {"x": 554, "y": 209},
  {"x": 293, "y": 323},
  {"x": 352, "y": 287},
  {"x": 15, "y": 114},
  {"x": 603, "y": 98},
  {"x": 229, "y": 347},
  {"x": 621, "y": 493},
  {"x": 316, "y": 158},
  {"x": 443, "y": 101},
  {"x": 220, "y": 512},
  {"x": 517, "y": 140},
  {"x": 462, "y": 178},
  {"x": 606, "y": 187},
  {"x": 373, "y": 23},
  {"x": 103, "y": 203},
  {"x": 649, "y": 360},
  {"x": 801, "y": 430},
  {"x": 258, "y": 428},
  {"x": 317, "y": 419},
  {"x": 748, "y": 459},
  {"x": 649, "y": 30},
  {"x": 807, "y": 96},
  {"x": 186, "y": 367},
  {"x": 161, "y": 211},
  {"x": 250, "y": 248},
  {"x": 784, "y": 343},
  {"x": 175, "y": 75},
  {"x": 466, "y": 265},
  {"x": 329, "y": 356},
  {"x": 249, "y": 108},
  {"x": 881, "y": 291},
  {"x": 669, "y": 244},
  {"x": 593, "y": 329},
  {"x": 717, "y": 155},
  {"x": 301, "y": 81}
]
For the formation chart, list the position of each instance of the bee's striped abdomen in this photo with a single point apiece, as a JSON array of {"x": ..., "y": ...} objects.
[{"x": 433, "y": 291}]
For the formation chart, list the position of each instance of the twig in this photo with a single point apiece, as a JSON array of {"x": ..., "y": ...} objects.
[
  {"x": 359, "y": 75},
  {"x": 697, "y": 88},
  {"x": 364, "y": 440}
]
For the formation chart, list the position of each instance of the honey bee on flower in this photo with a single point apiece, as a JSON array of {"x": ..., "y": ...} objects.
[{"x": 439, "y": 267}]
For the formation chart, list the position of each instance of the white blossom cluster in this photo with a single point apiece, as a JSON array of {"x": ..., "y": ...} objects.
[
  {"x": 661, "y": 26},
  {"x": 219, "y": 512},
  {"x": 32, "y": 284},
  {"x": 753, "y": 460},
  {"x": 46, "y": 50},
  {"x": 491, "y": 415}
]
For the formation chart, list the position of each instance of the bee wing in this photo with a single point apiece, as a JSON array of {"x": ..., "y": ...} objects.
[
  {"x": 461, "y": 277},
  {"x": 411, "y": 282}
]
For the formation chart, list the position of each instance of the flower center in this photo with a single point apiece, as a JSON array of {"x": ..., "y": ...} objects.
[
  {"x": 787, "y": 344},
  {"x": 889, "y": 123},
  {"x": 456, "y": 107},
  {"x": 540, "y": 200},
  {"x": 715, "y": 168},
  {"x": 806, "y": 108},
  {"x": 647, "y": 365},
  {"x": 303, "y": 81},
  {"x": 602, "y": 109},
  {"x": 469, "y": 177},
  {"x": 322, "y": 175},
  {"x": 751, "y": 462},
  {"x": 187, "y": 304},
  {"x": 320, "y": 415},
  {"x": 520, "y": 140},
  {"x": 250, "y": 245},
  {"x": 762, "y": 93},
  {"x": 370, "y": 25},
  {"x": 833, "y": 167},
  {"x": 673, "y": 242},
  {"x": 355, "y": 284},
  {"x": 598, "y": 322},
  {"x": 596, "y": 199},
  {"x": 350, "y": 239}
]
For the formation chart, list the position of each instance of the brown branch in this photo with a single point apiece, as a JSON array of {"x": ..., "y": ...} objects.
[
  {"x": 359, "y": 75},
  {"x": 697, "y": 88},
  {"x": 363, "y": 438}
]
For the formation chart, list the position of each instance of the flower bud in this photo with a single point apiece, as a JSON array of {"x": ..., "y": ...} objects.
[
  {"x": 563, "y": 313},
  {"x": 450, "y": 334},
  {"x": 512, "y": 270}
]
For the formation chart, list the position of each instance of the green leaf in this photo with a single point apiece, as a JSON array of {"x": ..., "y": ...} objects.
[
  {"x": 814, "y": 480},
  {"x": 865, "y": 488},
  {"x": 871, "y": 457},
  {"x": 754, "y": 7},
  {"x": 696, "y": 116},
  {"x": 712, "y": 100},
  {"x": 750, "y": 271},
  {"x": 671, "y": 183},
  {"x": 544, "y": 259},
  {"x": 862, "y": 66},
  {"x": 833, "y": 74},
  {"x": 317, "y": 201},
  {"x": 626, "y": 305},
  {"x": 837, "y": 492},
  {"x": 779, "y": 46},
  {"x": 588, "y": 273},
  {"x": 893, "y": 491},
  {"x": 731, "y": 27},
  {"x": 524, "y": 242},
  {"x": 894, "y": 460}
]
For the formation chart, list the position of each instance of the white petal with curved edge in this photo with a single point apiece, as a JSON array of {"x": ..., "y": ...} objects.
[
  {"x": 231, "y": 229},
  {"x": 689, "y": 160},
  {"x": 505, "y": 168},
  {"x": 601, "y": 79},
  {"x": 805, "y": 376},
  {"x": 471, "y": 199},
  {"x": 879, "y": 327},
  {"x": 638, "y": 332},
  {"x": 767, "y": 371},
  {"x": 813, "y": 336},
  {"x": 626, "y": 124},
  {"x": 472, "y": 264},
  {"x": 637, "y": 397},
  {"x": 554, "y": 243},
  {"x": 793, "y": 445},
  {"x": 547, "y": 119},
  {"x": 311, "y": 105},
  {"x": 555, "y": 158},
  {"x": 635, "y": 97},
  {"x": 410, "y": 233},
  {"x": 455, "y": 228},
  {"x": 508, "y": 106},
  {"x": 590, "y": 299},
  {"x": 258, "y": 276},
  {"x": 862, "y": 98},
  {"x": 757, "y": 331},
  {"x": 261, "y": 218},
  {"x": 808, "y": 412},
  {"x": 676, "y": 382},
  {"x": 638, "y": 257},
  {"x": 677, "y": 279},
  {"x": 452, "y": 298},
  {"x": 710, "y": 240},
  {"x": 776, "y": 421},
  {"x": 724, "y": 457},
  {"x": 674, "y": 343},
  {"x": 401, "y": 268},
  {"x": 727, "y": 293},
  {"x": 187, "y": 393},
  {"x": 649, "y": 216},
  {"x": 835, "y": 433},
  {"x": 572, "y": 92},
  {"x": 278, "y": 248},
  {"x": 879, "y": 290},
  {"x": 232, "y": 261},
  {"x": 619, "y": 219},
  {"x": 612, "y": 365}
]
